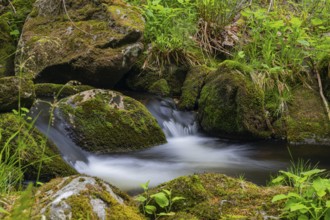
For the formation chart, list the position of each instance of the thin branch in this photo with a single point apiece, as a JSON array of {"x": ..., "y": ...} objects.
[
  {"x": 11, "y": 4},
  {"x": 67, "y": 14},
  {"x": 325, "y": 101}
]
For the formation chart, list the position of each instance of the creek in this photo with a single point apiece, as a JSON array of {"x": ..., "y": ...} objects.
[{"x": 187, "y": 151}]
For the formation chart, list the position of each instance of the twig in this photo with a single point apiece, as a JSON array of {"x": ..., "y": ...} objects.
[
  {"x": 325, "y": 102},
  {"x": 11, "y": 4},
  {"x": 67, "y": 14},
  {"x": 270, "y": 5}
]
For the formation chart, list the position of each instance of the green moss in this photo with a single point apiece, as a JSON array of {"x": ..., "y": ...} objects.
[
  {"x": 160, "y": 87},
  {"x": 14, "y": 90},
  {"x": 192, "y": 87},
  {"x": 51, "y": 90},
  {"x": 127, "y": 17},
  {"x": 307, "y": 121},
  {"x": 110, "y": 122},
  {"x": 10, "y": 21},
  {"x": 231, "y": 105},
  {"x": 32, "y": 146},
  {"x": 222, "y": 197}
]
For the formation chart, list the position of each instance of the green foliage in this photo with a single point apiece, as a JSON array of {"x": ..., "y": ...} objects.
[
  {"x": 158, "y": 204},
  {"x": 310, "y": 198},
  {"x": 169, "y": 29}
]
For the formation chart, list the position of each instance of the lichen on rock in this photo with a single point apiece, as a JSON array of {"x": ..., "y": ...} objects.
[
  {"x": 106, "y": 121},
  {"x": 82, "y": 197},
  {"x": 94, "y": 42}
]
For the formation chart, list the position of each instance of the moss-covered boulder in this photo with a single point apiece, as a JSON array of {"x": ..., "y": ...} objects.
[
  {"x": 231, "y": 105},
  {"x": 59, "y": 90},
  {"x": 94, "y": 42},
  {"x": 105, "y": 121},
  {"x": 192, "y": 87},
  {"x": 217, "y": 196},
  {"x": 82, "y": 197},
  {"x": 12, "y": 17},
  {"x": 33, "y": 148},
  {"x": 306, "y": 121},
  {"x": 14, "y": 90},
  {"x": 160, "y": 87},
  {"x": 146, "y": 80}
]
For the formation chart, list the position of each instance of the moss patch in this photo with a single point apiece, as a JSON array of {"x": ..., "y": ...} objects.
[
  {"x": 83, "y": 197},
  {"x": 192, "y": 87},
  {"x": 14, "y": 90},
  {"x": 32, "y": 145},
  {"x": 11, "y": 24},
  {"x": 105, "y": 121},
  {"x": 216, "y": 196},
  {"x": 307, "y": 122},
  {"x": 160, "y": 87},
  {"x": 52, "y": 90},
  {"x": 231, "y": 105}
]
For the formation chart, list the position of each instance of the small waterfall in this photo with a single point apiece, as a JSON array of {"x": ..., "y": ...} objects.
[{"x": 174, "y": 123}]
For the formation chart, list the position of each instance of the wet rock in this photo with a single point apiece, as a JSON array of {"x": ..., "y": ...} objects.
[
  {"x": 94, "y": 42},
  {"x": 106, "y": 121}
]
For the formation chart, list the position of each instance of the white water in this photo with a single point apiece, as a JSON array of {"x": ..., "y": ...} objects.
[{"x": 186, "y": 152}]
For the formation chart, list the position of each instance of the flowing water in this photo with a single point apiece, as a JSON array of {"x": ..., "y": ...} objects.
[{"x": 186, "y": 152}]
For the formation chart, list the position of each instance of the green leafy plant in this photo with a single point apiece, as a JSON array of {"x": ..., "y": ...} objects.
[
  {"x": 310, "y": 198},
  {"x": 158, "y": 204}
]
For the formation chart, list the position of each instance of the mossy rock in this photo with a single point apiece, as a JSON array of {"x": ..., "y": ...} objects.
[
  {"x": 104, "y": 121},
  {"x": 160, "y": 87},
  {"x": 192, "y": 87},
  {"x": 142, "y": 80},
  {"x": 82, "y": 197},
  {"x": 97, "y": 46},
  {"x": 59, "y": 90},
  {"x": 15, "y": 90},
  {"x": 231, "y": 105},
  {"x": 11, "y": 23},
  {"x": 217, "y": 196},
  {"x": 306, "y": 122},
  {"x": 34, "y": 148}
]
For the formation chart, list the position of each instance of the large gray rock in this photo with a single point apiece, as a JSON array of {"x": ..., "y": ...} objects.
[
  {"x": 14, "y": 90},
  {"x": 82, "y": 197},
  {"x": 105, "y": 121},
  {"x": 94, "y": 42}
]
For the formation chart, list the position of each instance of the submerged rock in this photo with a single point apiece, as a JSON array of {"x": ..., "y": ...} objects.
[
  {"x": 105, "y": 121},
  {"x": 217, "y": 196},
  {"x": 94, "y": 42},
  {"x": 15, "y": 90},
  {"x": 82, "y": 197},
  {"x": 231, "y": 105},
  {"x": 33, "y": 147}
]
